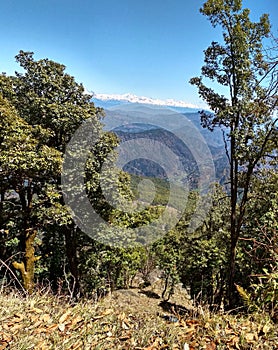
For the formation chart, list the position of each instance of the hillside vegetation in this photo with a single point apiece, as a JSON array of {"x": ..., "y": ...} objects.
[
  {"x": 96, "y": 254},
  {"x": 124, "y": 320}
]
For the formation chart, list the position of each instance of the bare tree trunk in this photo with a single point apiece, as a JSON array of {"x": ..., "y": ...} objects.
[{"x": 71, "y": 252}]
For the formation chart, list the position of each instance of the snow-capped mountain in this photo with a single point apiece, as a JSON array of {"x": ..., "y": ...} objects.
[
  {"x": 131, "y": 116},
  {"x": 130, "y": 98}
]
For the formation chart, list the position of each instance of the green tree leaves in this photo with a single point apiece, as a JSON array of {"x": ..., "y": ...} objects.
[
  {"x": 47, "y": 96},
  {"x": 247, "y": 112}
]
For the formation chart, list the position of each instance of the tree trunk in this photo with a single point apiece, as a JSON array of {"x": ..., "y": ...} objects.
[
  {"x": 233, "y": 217},
  {"x": 231, "y": 278},
  {"x": 71, "y": 252},
  {"x": 27, "y": 266}
]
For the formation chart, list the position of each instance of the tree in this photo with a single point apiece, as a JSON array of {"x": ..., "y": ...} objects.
[
  {"x": 25, "y": 165},
  {"x": 48, "y": 96},
  {"x": 259, "y": 239},
  {"x": 204, "y": 256},
  {"x": 258, "y": 242},
  {"x": 51, "y": 106},
  {"x": 246, "y": 107},
  {"x": 49, "y": 99}
]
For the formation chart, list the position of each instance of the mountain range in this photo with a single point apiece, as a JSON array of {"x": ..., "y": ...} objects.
[
  {"x": 111, "y": 100},
  {"x": 174, "y": 124}
]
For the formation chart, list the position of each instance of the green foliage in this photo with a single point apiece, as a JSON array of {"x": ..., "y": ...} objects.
[
  {"x": 162, "y": 191},
  {"x": 46, "y": 95},
  {"x": 168, "y": 254},
  {"x": 25, "y": 165},
  {"x": 41, "y": 108},
  {"x": 198, "y": 259},
  {"x": 246, "y": 110},
  {"x": 246, "y": 297},
  {"x": 259, "y": 244},
  {"x": 204, "y": 258},
  {"x": 106, "y": 268},
  {"x": 22, "y": 154},
  {"x": 265, "y": 292},
  {"x": 45, "y": 107},
  {"x": 263, "y": 295}
]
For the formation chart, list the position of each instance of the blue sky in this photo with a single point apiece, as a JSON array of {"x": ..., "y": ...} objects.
[{"x": 145, "y": 47}]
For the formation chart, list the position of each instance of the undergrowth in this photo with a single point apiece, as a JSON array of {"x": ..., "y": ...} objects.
[{"x": 124, "y": 320}]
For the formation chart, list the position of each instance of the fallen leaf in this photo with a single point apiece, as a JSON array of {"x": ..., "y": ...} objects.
[
  {"x": 40, "y": 330},
  {"x": 42, "y": 345},
  {"x": 105, "y": 313},
  {"x": 151, "y": 347},
  {"x": 34, "y": 318},
  {"x": 77, "y": 345},
  {"x": 18, "y": 318},
  {"x": 235, "y": 342},
  {"x": 122, "y": 316},
  {"x": 125, "y": 326},
  {"x": 189, "y": 330},
  {"x": 5, "y": 337},
  {"x": 45, "y": 318},
  {"x": 3, "y": 345},
  {"x": 250, "y": 337},
  {"x": 193, "y": 345},
  {"x": 211, "y": 346},
  {"x": 37, "y": 310},
  {"x": 182, "y": 323},
  {"x": 64, "y": 316},
  {"x": 124, "y": 337},
  {"x": 266, "y": 329},
  {"x": 230, "y": 331},
  {"x": 35, "y": 325},
  {"x": 191, "y": 322},
  {"x": 16, "y": 328},
  {"x": 61, "y": 327},
  {"x": 52, "y": 328},
  {"x": 74, "y": 321}
]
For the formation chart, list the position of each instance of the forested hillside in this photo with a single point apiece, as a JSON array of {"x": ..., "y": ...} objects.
[{"x": 215, "y": 240}]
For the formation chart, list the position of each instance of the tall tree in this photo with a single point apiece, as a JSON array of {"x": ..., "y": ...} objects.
[
  {"x": 47, "y": 98},
  {"x": 245, "y": 106},
  {"x": 53, "y": 105},
  {"x": 25, "y": 166}
]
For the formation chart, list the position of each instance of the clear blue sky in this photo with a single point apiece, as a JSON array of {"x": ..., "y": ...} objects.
[{"x": 145, "y": 47}]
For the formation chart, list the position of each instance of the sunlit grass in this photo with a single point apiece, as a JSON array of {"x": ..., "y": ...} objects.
[{"x": 124, "y": 321}]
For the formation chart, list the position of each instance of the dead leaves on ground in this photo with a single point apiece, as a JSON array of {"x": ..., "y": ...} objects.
[
  {"x": 210, "y": 335},
  {"x": 36, "y": 322},
  {"x": 111, "y": 328}
]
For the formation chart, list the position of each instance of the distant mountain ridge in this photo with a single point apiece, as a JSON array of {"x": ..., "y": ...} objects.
[
  {"x": 131, "y": 119},
  {"x": 110, "y": 100},
  {"x": 171, "y": 141}
]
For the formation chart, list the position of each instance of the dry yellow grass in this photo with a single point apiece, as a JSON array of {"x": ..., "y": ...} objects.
[{"x": 124, "y": 320}]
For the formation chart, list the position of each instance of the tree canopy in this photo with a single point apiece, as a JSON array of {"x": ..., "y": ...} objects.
[{"x": 247, "y": 112}]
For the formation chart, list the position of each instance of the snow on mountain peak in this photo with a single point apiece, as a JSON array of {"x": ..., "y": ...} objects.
[{"x": 128, "y": 97}]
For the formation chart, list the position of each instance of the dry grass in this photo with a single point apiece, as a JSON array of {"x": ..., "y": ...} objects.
[{"x": 124, "y": 320}]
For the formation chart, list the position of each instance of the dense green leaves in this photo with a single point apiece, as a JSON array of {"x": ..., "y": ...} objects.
[
  {"x": 45, "y": 108},
  {"x": 246, "y": 113},
  {"x": 48, "y": 96},
  {"x": 22, "y": 154}
]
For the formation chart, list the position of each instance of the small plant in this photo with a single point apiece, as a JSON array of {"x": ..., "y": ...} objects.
[
  {"x": 266, "y": 292},
  {"x": 264, "y": 296}
]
